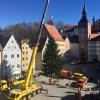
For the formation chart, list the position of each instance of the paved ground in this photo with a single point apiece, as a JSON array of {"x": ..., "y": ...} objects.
[{"x": 60, "y": 92}]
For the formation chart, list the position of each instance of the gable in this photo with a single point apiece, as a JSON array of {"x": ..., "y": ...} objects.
[
  {"x": 11, "y": 45},
  {"x": 25, "y": 45}
]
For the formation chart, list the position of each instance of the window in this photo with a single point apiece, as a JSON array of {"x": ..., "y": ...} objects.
[
  {"x": 26, "y": 52},
  {"x": 26, "y": 64},
  {"x": 26, "y": 47},
  {"x": 23, "y": 58},
  {"x": 23, "y": 53},
  {"x": 19, "y": 75},
  {"x": 18, "y": 65},
  {"x": 5, "y": 56},
  {"x": 23, "y": 65},
  {"x": 12, "y": 56},
  {"x": 17, "y": 55},
  {"x": 26, "y": 58}
]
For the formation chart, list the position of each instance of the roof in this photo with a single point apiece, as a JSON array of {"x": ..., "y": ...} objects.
[
  {"x": 68, "y": 27},
  {"x": 84, "y": 19},
  {"x": 94, "y": 36},
  {"x": 53, "y": 32}
]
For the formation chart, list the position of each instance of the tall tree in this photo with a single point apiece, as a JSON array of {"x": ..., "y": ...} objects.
[
  {"x": 52, "y": 63},
  {"x": 7, "y": 70}
]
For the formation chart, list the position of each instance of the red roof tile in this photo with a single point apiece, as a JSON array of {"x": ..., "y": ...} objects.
[
  {"x": 53, "y": 32},
  {"x": 93, "y": 35}
]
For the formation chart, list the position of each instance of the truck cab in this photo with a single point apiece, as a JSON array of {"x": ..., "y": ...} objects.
[{"x": 77, "y": 76}]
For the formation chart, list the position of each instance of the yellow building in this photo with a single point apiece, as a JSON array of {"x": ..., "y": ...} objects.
[
  {"x": 26, "y": 55},
  {"x": 51, "y": 31},
  {"x": 61, "y": 46}
]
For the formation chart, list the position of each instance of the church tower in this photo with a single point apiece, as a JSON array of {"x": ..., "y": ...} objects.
[{"x": 84, "y": 29}]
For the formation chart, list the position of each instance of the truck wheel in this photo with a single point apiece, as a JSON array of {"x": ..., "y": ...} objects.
[
  {"x": 23, "y": 98},
  {"x": 28, "y": 97},
  {"x": 38, "y": 91},
  {"x": 34, "y": 93}
]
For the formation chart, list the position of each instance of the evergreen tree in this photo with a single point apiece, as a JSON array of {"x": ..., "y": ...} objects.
[{"x": 52, "y": 62}]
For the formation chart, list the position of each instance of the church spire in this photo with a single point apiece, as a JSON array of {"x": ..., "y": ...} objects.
[{"x": 84, "y": 11}]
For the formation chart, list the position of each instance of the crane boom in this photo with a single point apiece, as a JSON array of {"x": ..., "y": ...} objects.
[{"x": 32, "y": 62}]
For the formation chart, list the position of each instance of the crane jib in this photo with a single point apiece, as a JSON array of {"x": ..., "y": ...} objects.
[{"x": 32, "y": 62}]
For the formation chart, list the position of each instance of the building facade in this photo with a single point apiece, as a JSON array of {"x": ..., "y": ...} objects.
[
  {"x": 98, "y": 50},
  {"x": 92, "y": 50},
  {"x": 12, "y": 55},
  {"x": 51, "y": 31},
  {"x": 94, "y": 47},
  {"x": 26, "y": 55}
]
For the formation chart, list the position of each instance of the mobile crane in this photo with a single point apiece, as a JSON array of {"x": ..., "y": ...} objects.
[
  {"x": 29, "y": 87},
  {"x": 4, "y": 86}
]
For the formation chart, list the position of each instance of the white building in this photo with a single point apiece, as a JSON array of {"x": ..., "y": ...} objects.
[
  {"x": 98, "y": 49},
  {"x": 94, "y": 47},
  {"x": 92, "y": 50},
  {"x": 11, "y": 54}
]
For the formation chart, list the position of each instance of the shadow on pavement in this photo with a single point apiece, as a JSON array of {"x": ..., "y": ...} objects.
[
  {"x": 73, "y": 84},
  {"x": 91, "y": 97},
  {"x": 53, "y": 96},
  {"x": 70, "y": 92},
  {"x": 61, "y": 86},
  {"x": 68, "y": 97}
]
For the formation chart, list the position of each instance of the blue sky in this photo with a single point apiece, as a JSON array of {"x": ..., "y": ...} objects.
[{"x": 69, "y": 11}]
